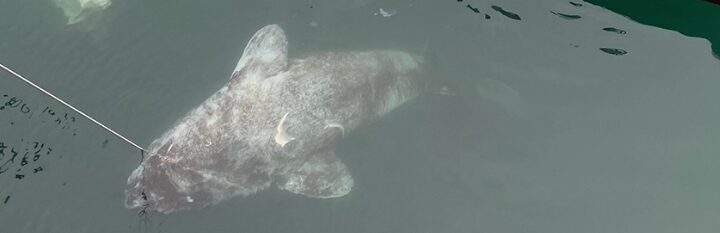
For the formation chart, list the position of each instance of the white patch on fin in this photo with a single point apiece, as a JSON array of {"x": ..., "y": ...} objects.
[
  {"x": 336, "y": 125},
  {"x": 281, "y": 137},
  {"x": 170, "y": 148},
  {"x": 266, "y": 52}
]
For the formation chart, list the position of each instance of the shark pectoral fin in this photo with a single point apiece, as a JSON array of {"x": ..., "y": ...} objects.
[
  {"x": 265, "y": 54},
  {"x": 321, "y": 175}
]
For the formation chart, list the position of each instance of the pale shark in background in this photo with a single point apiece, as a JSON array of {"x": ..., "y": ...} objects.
[{"x": 78, "y": 10}]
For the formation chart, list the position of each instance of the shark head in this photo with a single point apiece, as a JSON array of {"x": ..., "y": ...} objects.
[
  {"x": 161, "y": 184},
  {"x": 176, "y": 176},
  {"x": 203, "y": 159}
]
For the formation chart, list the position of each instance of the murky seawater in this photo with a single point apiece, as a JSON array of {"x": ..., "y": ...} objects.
[{"x": 583, "y": 120}]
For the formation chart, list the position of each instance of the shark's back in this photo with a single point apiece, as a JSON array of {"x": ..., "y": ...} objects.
[{"x": 276, "y": 121}]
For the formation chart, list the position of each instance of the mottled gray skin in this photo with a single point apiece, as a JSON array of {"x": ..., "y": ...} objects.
[{"x": 276, "y": 121}]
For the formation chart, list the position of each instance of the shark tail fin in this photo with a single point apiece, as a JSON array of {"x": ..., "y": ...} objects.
[
  {"x": 460, "y": 83},
  {"x": 502, "y": 95},
  {"x": 440, "y": 80}
]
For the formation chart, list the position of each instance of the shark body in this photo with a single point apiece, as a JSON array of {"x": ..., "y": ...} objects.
[{"x": 276, "y": 121}]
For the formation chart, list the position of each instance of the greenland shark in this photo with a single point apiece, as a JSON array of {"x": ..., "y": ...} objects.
[{"x": 276, "y": 122}]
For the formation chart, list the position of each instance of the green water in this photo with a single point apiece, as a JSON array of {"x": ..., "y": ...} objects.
[
  {"x": 583, "y": 120},
  {"x": 693, "y": 18}
]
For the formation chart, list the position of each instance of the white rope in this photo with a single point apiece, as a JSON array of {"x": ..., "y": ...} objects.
[{"x": 69, "y": 106}]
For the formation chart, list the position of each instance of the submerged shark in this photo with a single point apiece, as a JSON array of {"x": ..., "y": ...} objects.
[
  {"x": 77, "y": 11},
  {"x": 277, "y": 121}
]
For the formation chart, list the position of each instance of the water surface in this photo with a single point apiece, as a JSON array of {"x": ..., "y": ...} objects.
[{"x": 587, "y": 121}]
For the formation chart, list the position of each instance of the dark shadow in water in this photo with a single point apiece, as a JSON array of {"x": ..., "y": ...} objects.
[
  {"x": 506, "y": 13},
  {"x": 692, "y": 18},
  {"x": 64, "y": 120},
  {"x": 615, "y": 30},
  {"x": 613, "y": 51},
  {"x": 19, "y": 159},
  {"x": 474, "y": 9},
  {"x": 566, "y": 16},
  {"x": 576, "y": 4}
]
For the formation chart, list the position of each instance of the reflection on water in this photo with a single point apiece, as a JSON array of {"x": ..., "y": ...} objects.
[
  {"x": 566, "y": 16},
  {"x": 586, "y": 121},
  {"x": 615, "y": 30},
  {"x": 506, "y": 13},
  {"x": 22, "y": 160},
  {"x": 20, "y": 107}
]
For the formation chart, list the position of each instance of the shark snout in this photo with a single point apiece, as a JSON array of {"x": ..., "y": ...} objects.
[
  {"x": 154, "y": 186},
  {"x": 135, "y": 195},
  {"x": 135, "y": 199},
  {"x": 146, "y": 192}
]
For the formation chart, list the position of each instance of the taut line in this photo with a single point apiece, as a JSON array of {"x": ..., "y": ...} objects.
[{"x": 69, "y": 106}]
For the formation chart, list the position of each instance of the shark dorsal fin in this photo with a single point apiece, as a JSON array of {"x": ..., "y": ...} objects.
[{"x": 265, "y": 54}]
